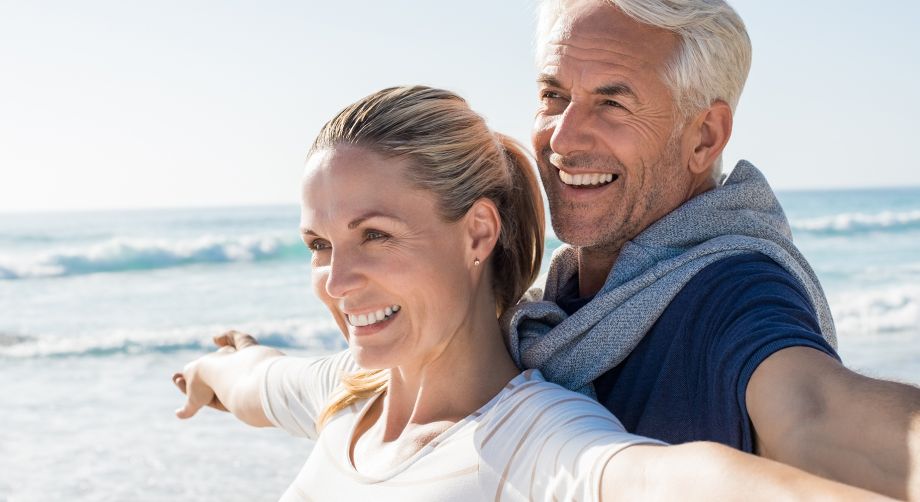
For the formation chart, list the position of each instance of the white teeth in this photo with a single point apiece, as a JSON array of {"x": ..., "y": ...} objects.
[
  {"x": 372, "y": 317},
  {"x": 585, "y": 179}
]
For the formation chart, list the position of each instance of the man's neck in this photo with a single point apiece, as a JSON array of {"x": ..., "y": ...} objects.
[{"x": 594, "y": 264}]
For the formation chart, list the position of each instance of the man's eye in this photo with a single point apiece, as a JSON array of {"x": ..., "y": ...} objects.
[
  {"x": 318, "y": 245},
  {"x": 613, "y": 104},
  {"x": 550, "y": 95}
]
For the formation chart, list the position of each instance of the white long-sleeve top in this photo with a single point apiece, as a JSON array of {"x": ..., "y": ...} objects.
[{"x": 533, "y": 441}]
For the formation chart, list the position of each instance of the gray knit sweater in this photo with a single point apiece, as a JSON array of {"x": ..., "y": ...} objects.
[{"x": 740, "y": 216}]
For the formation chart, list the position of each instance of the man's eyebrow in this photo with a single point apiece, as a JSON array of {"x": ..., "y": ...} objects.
[
  {"x": 610, "y": 90},
  {"x": 614, "y": 90},
  {"x": 353, "y": 224},
  {"x": 548, "y": 80}
]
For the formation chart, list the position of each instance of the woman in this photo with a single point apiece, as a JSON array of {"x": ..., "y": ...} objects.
[{"x": 425, "y": 227}]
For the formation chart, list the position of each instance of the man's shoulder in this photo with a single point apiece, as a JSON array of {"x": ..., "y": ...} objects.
[
  {"x": 739, "y": 266},
  {"x": 739, "y": 294},
  {"x": 741, "y": 277}
]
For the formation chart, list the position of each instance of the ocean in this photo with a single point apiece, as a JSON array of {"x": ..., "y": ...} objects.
[{"x": 99, "y": 309}]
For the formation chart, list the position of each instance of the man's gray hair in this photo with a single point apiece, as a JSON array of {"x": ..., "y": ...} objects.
[{"x": 714, "y": 56}]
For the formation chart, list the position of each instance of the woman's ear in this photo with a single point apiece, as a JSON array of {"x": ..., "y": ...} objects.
[{"x": 483, "y": 225}]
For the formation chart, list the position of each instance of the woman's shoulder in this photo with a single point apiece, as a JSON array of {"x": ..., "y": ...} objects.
[{"x": 530, "y": 398}]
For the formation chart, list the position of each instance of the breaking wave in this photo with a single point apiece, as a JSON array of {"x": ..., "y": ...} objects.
[
  {"x": 122, "y": 255},
  {"x": 296, "y": 335},
  {"x": 873, "y": 311},
  {"x": 849, "y": 223}
]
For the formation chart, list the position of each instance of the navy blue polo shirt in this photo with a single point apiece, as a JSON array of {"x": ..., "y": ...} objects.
[{"x": 686, "y": 379}]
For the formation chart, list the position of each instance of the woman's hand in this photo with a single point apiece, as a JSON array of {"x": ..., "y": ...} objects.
[
  {"x": 224, "y": 379},
  {"x": 198, "y": 392}
]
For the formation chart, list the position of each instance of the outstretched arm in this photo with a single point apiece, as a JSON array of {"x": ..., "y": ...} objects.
[
  {"x": 227, "y": 379},
  {"x": 710, "y": 471},
  {"x": 810, "y": 412}
]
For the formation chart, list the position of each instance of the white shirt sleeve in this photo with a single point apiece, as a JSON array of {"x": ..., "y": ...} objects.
[{"x": 294, "y": 390}]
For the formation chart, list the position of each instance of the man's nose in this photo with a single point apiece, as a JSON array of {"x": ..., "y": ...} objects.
[
  {"x": 571, "y": 134},
  {"x": 346, "y": 274}
]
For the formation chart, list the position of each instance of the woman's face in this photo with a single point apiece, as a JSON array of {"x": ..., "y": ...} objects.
[{"x": 393, "y": 273}]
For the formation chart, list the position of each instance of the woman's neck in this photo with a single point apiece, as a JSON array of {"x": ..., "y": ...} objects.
[{"x": 469, "y": 371}]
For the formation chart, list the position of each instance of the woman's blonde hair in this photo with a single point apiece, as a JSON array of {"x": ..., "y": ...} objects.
[{"x": 454, "y": 155}]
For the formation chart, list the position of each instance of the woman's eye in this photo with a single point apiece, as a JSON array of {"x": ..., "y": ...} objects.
[
  {"x": 318, "y": 245},
  {"x": 373, "y": 235}
]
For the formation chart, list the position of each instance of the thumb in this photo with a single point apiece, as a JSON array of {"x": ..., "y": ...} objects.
[
  {"x": 197, "y": 398},
  {"x": 189, "y": 410}
]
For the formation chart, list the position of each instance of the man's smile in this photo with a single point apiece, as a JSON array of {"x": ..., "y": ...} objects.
[{"x": 586, "y": 180}]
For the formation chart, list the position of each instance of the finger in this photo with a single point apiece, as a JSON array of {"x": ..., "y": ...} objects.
[
  {"x": 197, "y": 395},
  {"x": 189, "y": 409},
  {"x": 224, "y": 339},
  {"x": 186, "y": 412},
  {"x": 179, "y": 381},
  {"x": 242, "y": 340}
]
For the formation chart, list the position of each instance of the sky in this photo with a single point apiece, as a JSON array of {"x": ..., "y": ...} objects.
[{"x": 110, "y": 104}]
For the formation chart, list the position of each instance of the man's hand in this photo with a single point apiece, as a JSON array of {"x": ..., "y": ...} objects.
[
  {"x": 221, "y": 379},
  {"x": 811, "y": 412}
]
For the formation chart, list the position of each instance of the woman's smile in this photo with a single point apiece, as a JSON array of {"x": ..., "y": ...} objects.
[{"x": 373, "y": 321}]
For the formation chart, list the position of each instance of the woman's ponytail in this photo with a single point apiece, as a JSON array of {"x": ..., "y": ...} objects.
[{"x": 517, "y": 259}]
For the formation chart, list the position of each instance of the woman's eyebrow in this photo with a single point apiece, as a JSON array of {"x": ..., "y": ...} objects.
[
  {"x": 372, "y": 214},
  {"x": 353, "y": 224}
]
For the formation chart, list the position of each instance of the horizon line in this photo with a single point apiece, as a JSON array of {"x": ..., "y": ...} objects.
[{"x": 257, "y": 205}]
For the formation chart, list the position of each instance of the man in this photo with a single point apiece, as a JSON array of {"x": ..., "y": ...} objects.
[
  {"x": 717, "y": 334},
  {"x": 681, "y": 305}
]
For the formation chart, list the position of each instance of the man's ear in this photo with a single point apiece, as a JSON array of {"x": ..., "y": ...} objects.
[
  {"x": 483, "y": 225},
  {"x": 709, "y": 132}
]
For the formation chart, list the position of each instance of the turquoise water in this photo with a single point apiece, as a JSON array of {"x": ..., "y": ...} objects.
[{"x": 97, "y": 310}]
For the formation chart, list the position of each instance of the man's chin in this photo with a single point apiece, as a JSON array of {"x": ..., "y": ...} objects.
[{"x": 579, "y": 239}]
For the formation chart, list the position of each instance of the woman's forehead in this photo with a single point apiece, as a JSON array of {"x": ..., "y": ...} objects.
[
  {"x": 348, "y": 160},
  {"x": 349, "y": 184}
]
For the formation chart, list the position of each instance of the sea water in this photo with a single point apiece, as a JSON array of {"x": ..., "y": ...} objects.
[{"x": 98, "y": 310}]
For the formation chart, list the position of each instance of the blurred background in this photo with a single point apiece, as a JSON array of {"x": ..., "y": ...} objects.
[{"x": 150, "y": 154}]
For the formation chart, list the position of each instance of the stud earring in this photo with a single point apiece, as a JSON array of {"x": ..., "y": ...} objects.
[{"x": 476, "y": 262}]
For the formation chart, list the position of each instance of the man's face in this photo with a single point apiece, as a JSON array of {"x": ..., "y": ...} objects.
[{"x": 607, "y": 135}]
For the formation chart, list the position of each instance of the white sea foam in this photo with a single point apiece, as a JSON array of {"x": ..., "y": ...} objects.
[
  {"x": 877, "y": 311},
  {"x": 859, "y": 222},
  {"x": 295, "y": 334},
  {"x": 119, "y": 254}
]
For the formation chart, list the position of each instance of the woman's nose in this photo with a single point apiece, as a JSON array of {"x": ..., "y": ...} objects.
[{"x": 345, "y": 275}]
